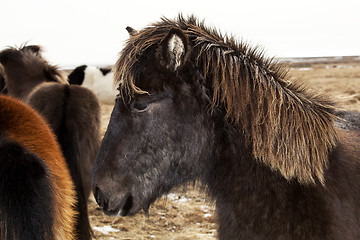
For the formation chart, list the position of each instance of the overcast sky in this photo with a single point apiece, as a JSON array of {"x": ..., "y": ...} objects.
[{"x": 75, "y": 32}]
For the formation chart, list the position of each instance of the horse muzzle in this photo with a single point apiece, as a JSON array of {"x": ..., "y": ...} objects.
[{"x": 118, "y": 206}]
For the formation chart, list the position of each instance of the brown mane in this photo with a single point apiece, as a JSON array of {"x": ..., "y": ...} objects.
[
  {"x": 31, "y": 57},
  {"x": 289, "y": 129},
  {"x": 24, "y": 68}
]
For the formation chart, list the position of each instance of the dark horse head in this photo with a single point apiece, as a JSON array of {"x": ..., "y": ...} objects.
[
  {"x": 25, "y": 68},
  {"x": 191, "y": 103}
]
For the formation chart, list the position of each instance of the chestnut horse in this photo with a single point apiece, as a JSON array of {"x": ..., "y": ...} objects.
[
  {"x": 73, "y": 113},
  {"x": 196, "y": 106},
  {"x": 37, "y": 195}
]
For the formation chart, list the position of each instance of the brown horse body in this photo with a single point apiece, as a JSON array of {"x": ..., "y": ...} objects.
[
  {"x": 197, "y": 106},
  {"x": 73, "y": 113},
  {"x": 36, "y": 190}
]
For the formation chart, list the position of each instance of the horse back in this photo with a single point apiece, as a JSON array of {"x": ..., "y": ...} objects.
[
  {"x": 25, "y": 193},
  {"x": 73, "y": 113},
  {"x": 34, "y": 176}
]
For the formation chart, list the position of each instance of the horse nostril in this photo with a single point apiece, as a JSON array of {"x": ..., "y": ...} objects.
[
  {"x": 100, "y": 198},
  {"x": 97, "y": 194}
]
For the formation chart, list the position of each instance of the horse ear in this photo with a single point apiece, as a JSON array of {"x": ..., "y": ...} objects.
[
  {"x": 34, "y": 48},
  {"x": 175, "y": 49},
  {"x": 131, "y": 31}
]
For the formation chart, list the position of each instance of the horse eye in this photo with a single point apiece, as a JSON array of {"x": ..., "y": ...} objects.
[{"x": 140, "y": 106}]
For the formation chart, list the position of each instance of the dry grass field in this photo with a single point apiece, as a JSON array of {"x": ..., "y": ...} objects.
[{"x": 189, "y": 215}]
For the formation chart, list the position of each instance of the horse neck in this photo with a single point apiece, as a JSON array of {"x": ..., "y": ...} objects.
[
  {"x": 233, "y": 171},
  {"x": 20, "y": 86}
]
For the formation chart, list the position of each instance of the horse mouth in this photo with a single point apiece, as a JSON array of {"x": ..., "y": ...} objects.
[
  {"x": 120, "y": 206},
  {"x": 122, "y": 209},
  {"x": 127, "y": 205}
]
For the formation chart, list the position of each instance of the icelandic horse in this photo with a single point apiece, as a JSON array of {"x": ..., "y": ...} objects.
[
  {"x": 37, "y": 195},
  {"x": 197, "y": 106}
]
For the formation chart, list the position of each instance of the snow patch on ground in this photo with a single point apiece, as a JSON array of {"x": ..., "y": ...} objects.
[{"x": 106, "y": 229}]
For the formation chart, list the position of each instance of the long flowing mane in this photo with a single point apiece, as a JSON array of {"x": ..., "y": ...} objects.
[{"x": 289, "y": 129}]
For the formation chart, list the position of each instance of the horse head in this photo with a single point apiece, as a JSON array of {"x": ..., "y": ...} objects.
[
  {"x": 25, "y": 68},
  {"x": 156, "y": 133}
]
